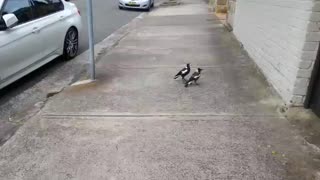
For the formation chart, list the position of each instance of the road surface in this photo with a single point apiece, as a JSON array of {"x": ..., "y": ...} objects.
[{"x": 107, "y": 19}]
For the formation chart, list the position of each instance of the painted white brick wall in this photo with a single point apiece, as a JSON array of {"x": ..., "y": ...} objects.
[{"x": 282, "y": 36}]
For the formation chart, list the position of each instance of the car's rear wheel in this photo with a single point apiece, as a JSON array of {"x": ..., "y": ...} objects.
[
  {"x": 71, "y": 44},
  {"x": 120, "y": 7}
]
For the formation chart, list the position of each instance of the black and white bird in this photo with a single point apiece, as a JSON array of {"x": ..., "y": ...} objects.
[
  {"x": 184, "y": 72},
  {"x": 194, "y": 78}
]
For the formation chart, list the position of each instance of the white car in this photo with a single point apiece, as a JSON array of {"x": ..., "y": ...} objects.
[
  {"x": 136, "y": 4},
  {"x": 34, "y": 32}
]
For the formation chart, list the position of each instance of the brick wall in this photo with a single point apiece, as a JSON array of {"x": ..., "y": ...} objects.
[{"x": 282, "y": 37}]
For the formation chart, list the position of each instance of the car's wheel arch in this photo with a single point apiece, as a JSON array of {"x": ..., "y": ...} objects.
[
  {"x": 73, "y": 27},
  {"x": 65, "y": 36}
]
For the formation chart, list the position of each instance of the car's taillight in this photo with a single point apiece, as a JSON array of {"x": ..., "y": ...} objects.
[{"x": 79, "y": 12}]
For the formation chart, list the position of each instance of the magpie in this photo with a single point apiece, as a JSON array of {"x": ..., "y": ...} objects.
[
  {"x": 194, "y": 78},
  {"x": 185, "y": 71}
]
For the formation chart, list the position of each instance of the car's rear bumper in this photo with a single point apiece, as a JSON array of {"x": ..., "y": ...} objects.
[{"x": 138, "y": 5}]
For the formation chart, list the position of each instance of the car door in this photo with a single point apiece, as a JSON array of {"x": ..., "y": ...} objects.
[
  {"x": 18, "y": 46},
  {"x": 50, "y": 26}
]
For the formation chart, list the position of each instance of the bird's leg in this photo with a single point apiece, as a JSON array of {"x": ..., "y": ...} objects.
[
  {"x": 196, "y": 82},
  {"x": 183, "y": 79},
  {"x": 187, "y": 83}
]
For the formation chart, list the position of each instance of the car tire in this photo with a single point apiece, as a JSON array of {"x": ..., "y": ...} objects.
[
  {"x": 71, "y": 44},
  {"x": 120, "y": 7}
]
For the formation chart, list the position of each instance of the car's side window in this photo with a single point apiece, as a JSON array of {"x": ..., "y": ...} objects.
[
  {"x": 20, "y": 8},
  {"x": 58, "y": 5},
  {"x": 46, "y": 7}
]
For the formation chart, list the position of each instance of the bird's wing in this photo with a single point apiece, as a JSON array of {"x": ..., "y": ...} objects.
[
  {"x": 195, "y": 74},
  {"x": 196, "y": 77},
  {"x": 184, "y": 70},
  {"x": 180, "y": 72}
]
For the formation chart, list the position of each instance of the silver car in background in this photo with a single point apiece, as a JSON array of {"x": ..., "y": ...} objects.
[{"x": 136, "y": 4}]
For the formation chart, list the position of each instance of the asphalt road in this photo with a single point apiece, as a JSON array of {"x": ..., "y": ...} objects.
[
  {"x": 107, "y": 19},
  {"x": 18, "y": 99}
]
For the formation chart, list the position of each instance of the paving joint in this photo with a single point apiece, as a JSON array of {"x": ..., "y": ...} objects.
[
  {"x": 160, "y": 67},
  {"x": 172, "y": 115}
]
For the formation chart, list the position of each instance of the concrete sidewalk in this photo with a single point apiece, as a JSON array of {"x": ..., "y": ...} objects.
[{"x": 136, "y": 122}]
